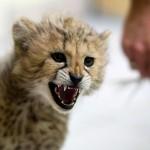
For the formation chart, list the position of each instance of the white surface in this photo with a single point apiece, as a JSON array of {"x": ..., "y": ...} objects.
[{"x": 117, "y": 117}]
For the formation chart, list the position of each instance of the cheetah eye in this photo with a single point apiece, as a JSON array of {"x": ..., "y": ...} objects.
[
  {"x": 58, "y": 57},
  {"x": 88, "y": 61}
]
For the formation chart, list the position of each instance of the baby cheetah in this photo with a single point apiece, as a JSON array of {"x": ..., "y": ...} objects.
[{"x": 54, "y": 62}]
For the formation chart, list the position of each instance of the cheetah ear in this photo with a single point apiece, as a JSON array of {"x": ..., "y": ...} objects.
[
  {"x": 105, "y": 35},
  {"x": 22, "y": 31}
]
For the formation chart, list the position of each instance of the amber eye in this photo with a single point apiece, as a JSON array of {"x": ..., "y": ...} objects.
[
  {"x": 59, "y": 57},
  {"x": 89, "y": 61}
]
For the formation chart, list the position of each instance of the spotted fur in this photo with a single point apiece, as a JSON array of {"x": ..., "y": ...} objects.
[{"x": 29, "y": 117}]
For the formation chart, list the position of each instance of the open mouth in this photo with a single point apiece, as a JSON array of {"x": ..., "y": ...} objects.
[{"x": 64, "y": 95}]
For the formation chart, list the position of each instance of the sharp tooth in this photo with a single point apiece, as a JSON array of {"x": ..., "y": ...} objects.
[
  {"x": 65, "y": 87},
  {"x": 73, "y": 103},
  {"x": 76, "y": 91},
  {"x": 74, "y": 96},
  {"x": 56, "y": 90},
  {"x": 59, "y": 96}
]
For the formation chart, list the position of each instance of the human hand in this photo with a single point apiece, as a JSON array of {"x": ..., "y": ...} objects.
[{"x": 136, "y": 42}]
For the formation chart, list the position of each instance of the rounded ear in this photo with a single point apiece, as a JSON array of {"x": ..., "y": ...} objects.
[
  {"x": 22, "y": 31},
  {"x": 104, "y": 39},
  {"x": 105, "y": 35}
]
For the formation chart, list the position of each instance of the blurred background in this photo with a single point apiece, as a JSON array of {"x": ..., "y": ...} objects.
[{"x": 117, "y": 116}]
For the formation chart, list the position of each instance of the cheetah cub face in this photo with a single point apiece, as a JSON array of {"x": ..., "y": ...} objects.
[{"x": 58, "y": 59}]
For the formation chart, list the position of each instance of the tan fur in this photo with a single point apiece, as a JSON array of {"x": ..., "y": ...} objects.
[{"x": 29, "y": 119}]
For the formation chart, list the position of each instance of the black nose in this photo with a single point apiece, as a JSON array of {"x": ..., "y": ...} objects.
[{"x": 75, "y": 79}]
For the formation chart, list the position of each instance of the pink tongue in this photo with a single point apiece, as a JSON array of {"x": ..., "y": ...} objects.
[{"x": 67, "y": 95}]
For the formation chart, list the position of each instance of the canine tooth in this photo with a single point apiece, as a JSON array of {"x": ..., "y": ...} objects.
[
  {"x": 69, "y": 88},
  {"x": 65, "y": 87},
  {"x": 63, "y": 102},
  {"x": 56, "y": 90},
  {"x": 59, "y": 96},
  {"x": 76, "y": 91},
  {"x": 72, "y": 103}
]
